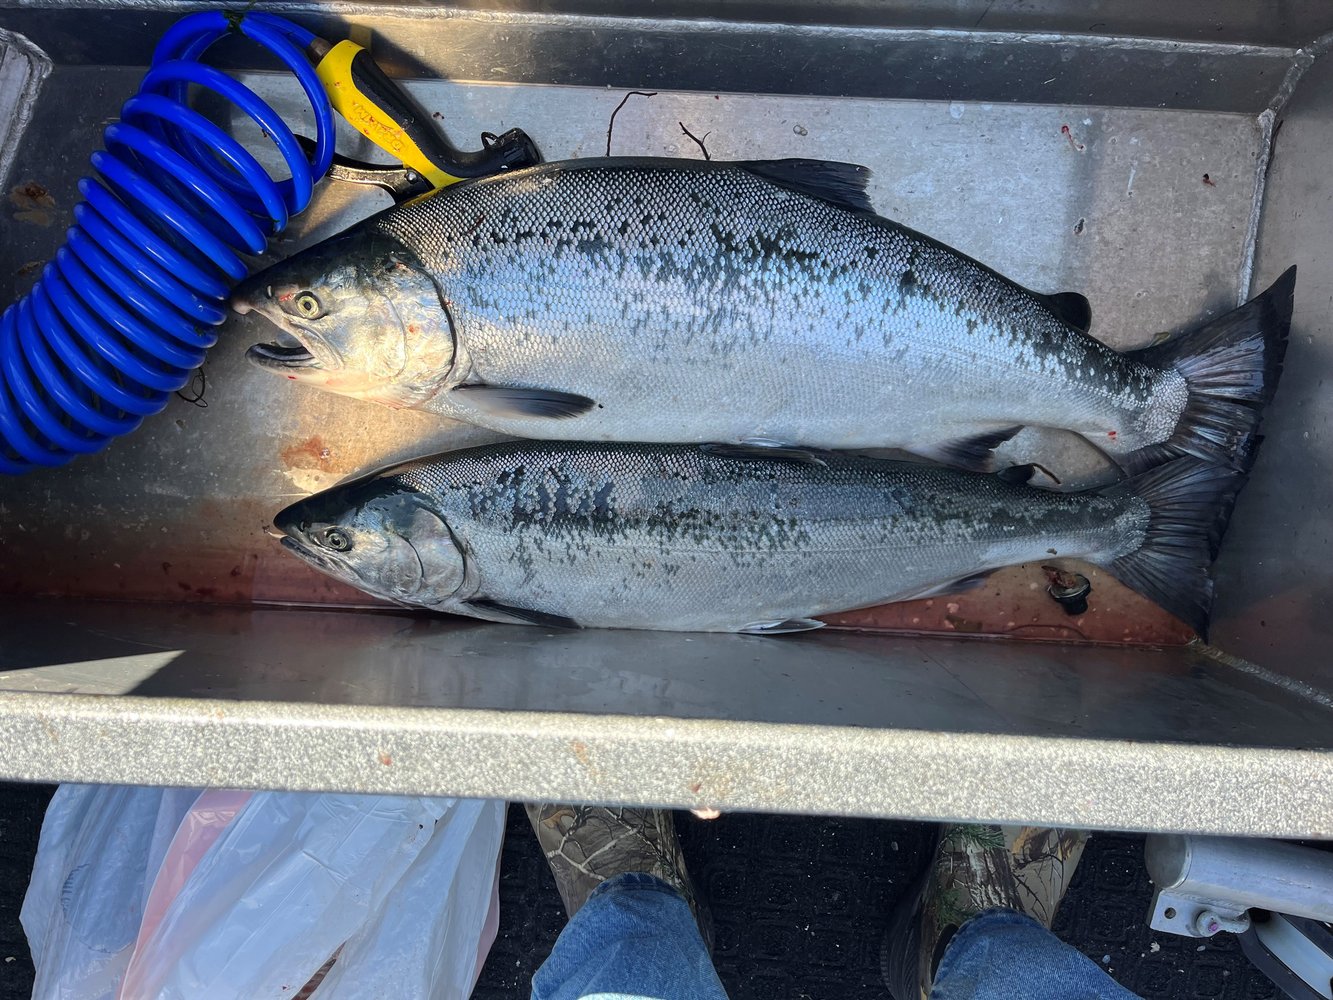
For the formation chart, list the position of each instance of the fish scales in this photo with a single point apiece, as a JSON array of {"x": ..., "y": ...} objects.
[
  {"x": 680, "y": 301},
  {"x": 661, "y": 537},
  {"x": 791, "y": 281}
]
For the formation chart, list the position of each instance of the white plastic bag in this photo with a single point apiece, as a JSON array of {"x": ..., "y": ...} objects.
[
  {"x": 156, "y": 894},
  {"x": 296, "y": 878},
  {"x": 99, "y": 849},
  {"x": 424, "y": 944},
  {"x": 200, "y": 827}
]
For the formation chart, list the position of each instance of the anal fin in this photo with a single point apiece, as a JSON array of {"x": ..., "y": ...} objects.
[
  {"x": 526, "y": 615},
  {"x": 1016, "y": 475},
  {"x": 973, "y": 454},
  {"x": 1024, "y": 475},
  {"x": 521, "y": 401},
  {"x": 962, "y": 585}
]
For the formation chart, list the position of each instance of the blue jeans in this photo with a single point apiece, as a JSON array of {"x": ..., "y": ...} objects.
[{"x": 635, "y": 939}]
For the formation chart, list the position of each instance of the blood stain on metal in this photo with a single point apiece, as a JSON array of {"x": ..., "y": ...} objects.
[
  {"x": 189, "y": 560},
  {"x": 32, "y": 203},
  {"x": 1014, "y": 604},
  {"x": 311, "y": 453}
]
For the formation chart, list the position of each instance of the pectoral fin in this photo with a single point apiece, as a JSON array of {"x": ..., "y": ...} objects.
[
  {"x": 521, "y": 401},
  {"x": 765, "y": 453},
  {"x": 783, "y": 627},
  {"x": 528, "y": 616}
]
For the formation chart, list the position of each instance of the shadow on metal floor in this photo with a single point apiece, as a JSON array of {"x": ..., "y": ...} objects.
[{"x": 798, "y": 905}]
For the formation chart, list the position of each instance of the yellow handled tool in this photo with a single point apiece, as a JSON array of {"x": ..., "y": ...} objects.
[{"x": 379, "y": 109}]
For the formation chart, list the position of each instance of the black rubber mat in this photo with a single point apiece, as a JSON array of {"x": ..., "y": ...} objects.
[
  {"x": 1103, "y": 916},
  {"x": 21, "y": 811},
  {"x": 798, "y": 905}
]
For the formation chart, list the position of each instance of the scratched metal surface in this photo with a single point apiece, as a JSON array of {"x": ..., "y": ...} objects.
[
  {"x": 1093, "y": 199},
  {"x": 830, "y": 724},
  {"x": 1276, "y": 569},
  {"x": 1195, "y": 55},
  {"x": 1079, "y": 164},
  {"x": 845, "y": 679}
]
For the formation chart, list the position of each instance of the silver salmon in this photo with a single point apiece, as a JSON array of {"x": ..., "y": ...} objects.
[
  {"x": 664, "y": 300},
  {"x": 729, "y": 538}
]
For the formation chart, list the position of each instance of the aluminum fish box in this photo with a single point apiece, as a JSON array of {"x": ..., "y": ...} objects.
[{"x": 1164, "y": 160}]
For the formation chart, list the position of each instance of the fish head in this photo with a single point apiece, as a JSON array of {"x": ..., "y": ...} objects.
[
  {"x": 358, "y": 315},
  {"x": 380, "y": 536}
]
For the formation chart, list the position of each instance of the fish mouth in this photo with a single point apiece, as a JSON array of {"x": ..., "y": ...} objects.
[
  {"x": 313, "y": 557},
  {"x": 303, "y": 552},
  {"x": 339, "y": 571},
  {"x": 284, "y": 354}
]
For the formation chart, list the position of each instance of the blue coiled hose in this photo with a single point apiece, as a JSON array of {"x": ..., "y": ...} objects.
[{"x": 125, "y": 313}]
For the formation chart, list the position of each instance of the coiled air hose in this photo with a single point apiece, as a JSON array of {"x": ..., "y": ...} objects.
[{"x": 124, "y": 314}]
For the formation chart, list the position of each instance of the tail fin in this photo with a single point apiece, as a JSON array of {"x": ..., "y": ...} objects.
[
  {"x": 1189, "y": 504},
  {"x": 1232, "y": 366}
]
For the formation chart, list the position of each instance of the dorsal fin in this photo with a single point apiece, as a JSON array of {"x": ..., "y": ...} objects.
[
  {"x": 1072, "y": 308},
  {"x": 841, "y": 184}
]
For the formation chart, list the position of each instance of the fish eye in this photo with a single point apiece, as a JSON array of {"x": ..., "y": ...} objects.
[
  {"x": 308, "y": 305},
  {"x": 337, "y": 540}
]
